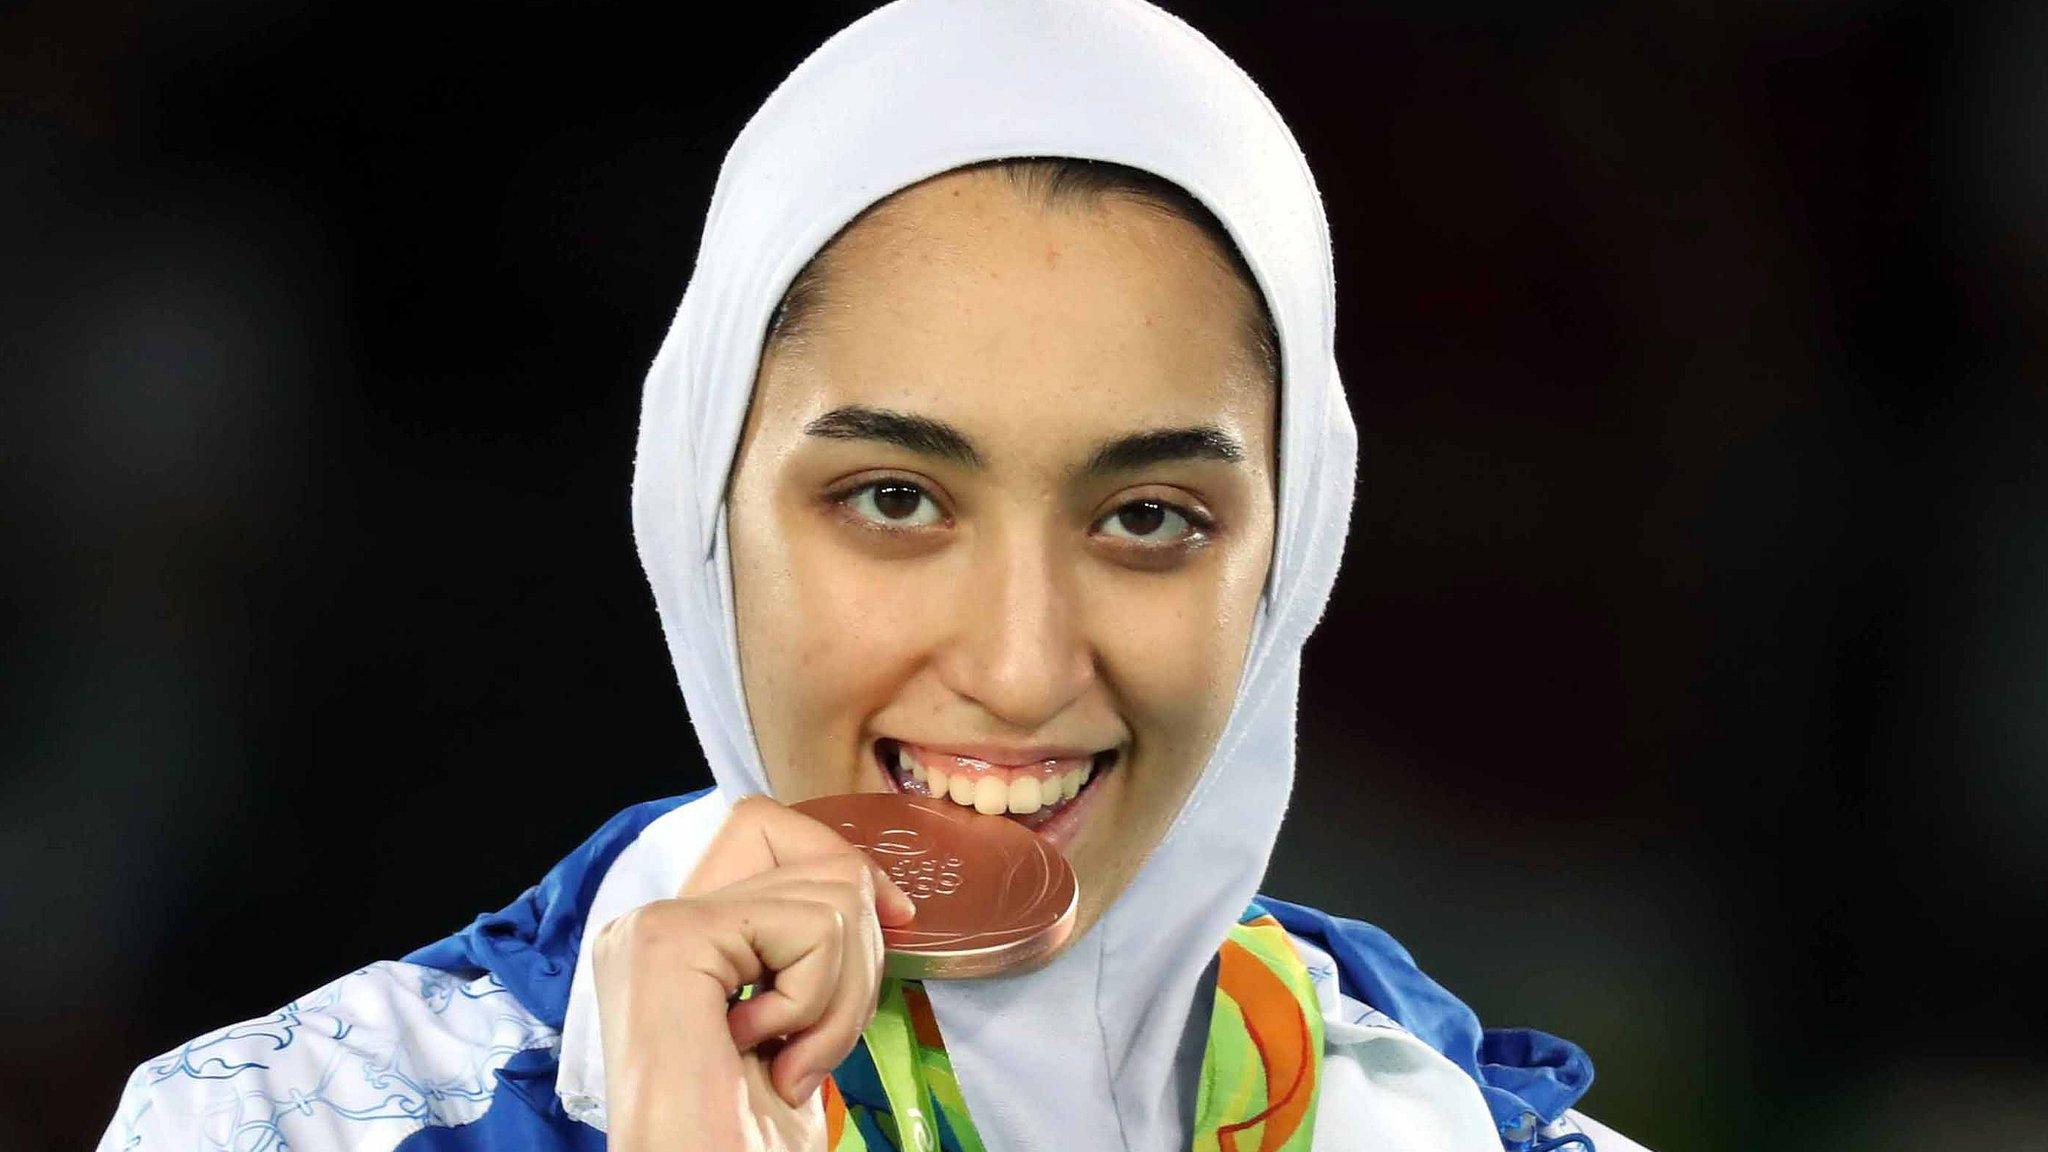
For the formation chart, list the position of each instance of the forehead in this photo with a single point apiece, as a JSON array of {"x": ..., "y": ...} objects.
[{"x": 965, "y": 300}]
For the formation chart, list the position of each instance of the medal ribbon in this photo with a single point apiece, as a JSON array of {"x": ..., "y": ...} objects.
[{"x": 1257, "y": 1093}]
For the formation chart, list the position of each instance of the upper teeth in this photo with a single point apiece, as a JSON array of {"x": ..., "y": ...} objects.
[{"x": 990, "y": 792}]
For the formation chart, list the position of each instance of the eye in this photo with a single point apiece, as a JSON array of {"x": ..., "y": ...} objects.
[
  {"x": 1142, "y": 520},
  {"x": 891, "y": 504}
]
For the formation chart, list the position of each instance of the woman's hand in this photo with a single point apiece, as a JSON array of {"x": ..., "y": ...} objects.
[{"x": 778, "y": 898}]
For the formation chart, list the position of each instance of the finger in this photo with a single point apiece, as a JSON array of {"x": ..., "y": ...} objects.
[
  {"x": 664, "y": 976},
  {"x": 811, "y": 1054},
  {"x": 854, "y": 868},
  {"x": 821, "y": 1030},
  {"x": 760, "y": 835},
  {"x": 799, "y": 942},
  {"x": 664, "y": 972},
  {"x": 893, "y": 906},
  {"x": 829, "y": 1036}
]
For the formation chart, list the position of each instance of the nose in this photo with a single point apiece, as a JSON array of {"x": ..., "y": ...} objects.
[{"x": 1019, "y": 647}]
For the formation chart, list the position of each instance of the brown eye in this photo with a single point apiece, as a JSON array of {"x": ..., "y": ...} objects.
[
  {"x": 1140, "y": 521},
  {"x": 897, "y": 502},
  {"x": 894, "y": 503}
]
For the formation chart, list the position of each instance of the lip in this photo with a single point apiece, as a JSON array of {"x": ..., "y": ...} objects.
[{"x": 1060, "y": 830}]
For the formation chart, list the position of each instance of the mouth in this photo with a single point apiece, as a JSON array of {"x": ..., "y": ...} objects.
[{"x": 1047, "y": 797}]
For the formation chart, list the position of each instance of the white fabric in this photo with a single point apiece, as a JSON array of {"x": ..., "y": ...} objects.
[
  {"x": 653, "y": 867},
  {"x": 1383, "y": 1087},
  {"x": 356, "y": 1065},
  {"x": 912, "y": 89}
]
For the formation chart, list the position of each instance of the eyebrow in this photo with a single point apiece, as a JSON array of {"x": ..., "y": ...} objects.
[
  {"x": 1163, "y": 445},
  {"x": 939, "y": 440},
  {"x": 919, "y": 434}
]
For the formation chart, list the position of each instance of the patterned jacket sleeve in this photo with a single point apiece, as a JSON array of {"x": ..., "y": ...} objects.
[{"x": 355, "y": 1066}]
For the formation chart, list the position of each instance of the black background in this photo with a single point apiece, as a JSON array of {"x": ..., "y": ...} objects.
[{"x": 1682, "y": 694}]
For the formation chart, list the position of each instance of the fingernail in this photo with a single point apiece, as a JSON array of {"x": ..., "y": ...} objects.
[{"x": 808, "y": 1085}]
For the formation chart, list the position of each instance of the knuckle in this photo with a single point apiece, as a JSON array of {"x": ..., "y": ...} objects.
[
  {"x": 829, "y": 931},
  {"x": 849, "y": 866},
  {"x": 844, "y": 902},
  {"x": 825, "y": 920},
  {"x": 650, "y": 928}
]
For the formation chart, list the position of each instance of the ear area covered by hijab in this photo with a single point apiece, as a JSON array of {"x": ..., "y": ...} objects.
[{"x": 1080, "y": 1053}]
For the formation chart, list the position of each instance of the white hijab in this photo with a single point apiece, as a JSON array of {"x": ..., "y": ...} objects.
[{"x": 1081, "y": 1053}]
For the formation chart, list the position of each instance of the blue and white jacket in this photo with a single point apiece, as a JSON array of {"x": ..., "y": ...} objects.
[{"x": 463, "y": 1044}]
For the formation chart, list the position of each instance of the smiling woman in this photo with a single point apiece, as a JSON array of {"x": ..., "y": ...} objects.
[
  {"x": 998, "y": 453},
  {"x": 1007, "y": 507}
]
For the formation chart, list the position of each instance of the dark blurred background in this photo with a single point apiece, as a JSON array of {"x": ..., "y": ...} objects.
[{"x": 1683, "y": 692}]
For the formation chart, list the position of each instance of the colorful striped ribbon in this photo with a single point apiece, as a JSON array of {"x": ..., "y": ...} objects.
[{"x": 1259, "y": 1069}]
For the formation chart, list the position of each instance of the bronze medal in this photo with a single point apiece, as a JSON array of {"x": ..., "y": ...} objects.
[{"x": 991, "y": 896}]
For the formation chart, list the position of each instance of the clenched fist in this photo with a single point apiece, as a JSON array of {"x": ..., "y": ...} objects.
[{"x": 779, "y": 900}]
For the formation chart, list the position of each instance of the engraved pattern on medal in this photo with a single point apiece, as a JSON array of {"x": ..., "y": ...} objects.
[
  {"x": 920, "y": 872},
  {"x": 982, "y": 885}
]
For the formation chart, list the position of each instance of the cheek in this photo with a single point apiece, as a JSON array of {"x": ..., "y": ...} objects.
[
  {"x": 854, "y": 620},
  {"x": 1175, "y": 648},
  {"x": 829, "y": 636}
]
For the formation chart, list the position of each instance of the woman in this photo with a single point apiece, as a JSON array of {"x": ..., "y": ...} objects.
[{"x": 1020, "y": 482}]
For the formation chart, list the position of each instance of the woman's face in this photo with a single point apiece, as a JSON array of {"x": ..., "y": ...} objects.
[{"x": 1000, "y": 519}]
